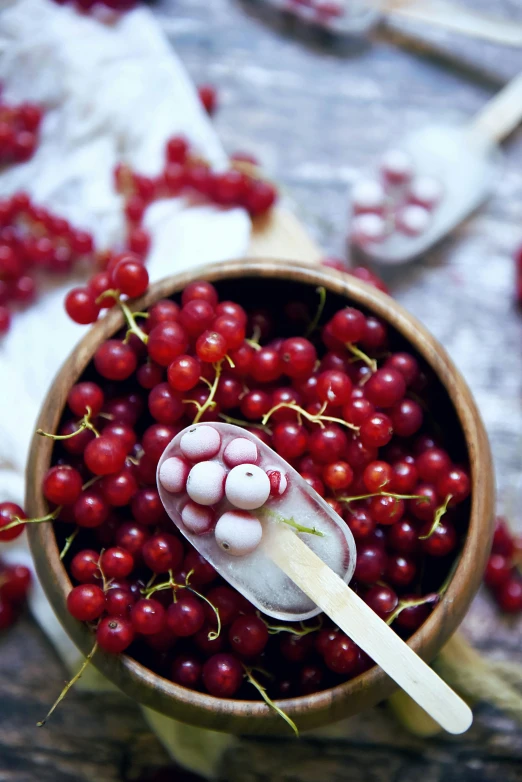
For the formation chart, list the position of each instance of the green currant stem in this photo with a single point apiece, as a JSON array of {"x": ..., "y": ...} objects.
[
  {"x": 318, "y": 418},
  {"x": 322, "y": 301},
  {"x": 384, "y": 494},
  {"x": 16, "y": 522},
  {"x": 293, "y": 523},
  {"x": 171, "y": 584},
  {"x": 431, "y": 598},
  {"x": 439, "y": 513},
  {"x": 238, "y": 422},
  {"x": 275, "y": 629},
  {"x": 85, "y": 423},
  {"x": 269, "y": 702},
  {"x": 209, "y": 402},
  {"x": 130, "y": 317},
  {"x": 253, "y": 344},
  {"x": 68, "y": 542},
  {"x": 230, "y": 362},
  {"x": 358, "y": 353},
  {"x": 69, "y": 685},
  {"x": 408, "y": 604}
]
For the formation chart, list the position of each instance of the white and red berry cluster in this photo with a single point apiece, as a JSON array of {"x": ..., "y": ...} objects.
[
  {"x": 219, "y": 483},
  {"x": 399, "y": 201}
]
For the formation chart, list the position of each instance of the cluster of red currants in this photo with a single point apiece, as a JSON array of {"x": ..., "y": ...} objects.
[
  {"x": 14, "y": 579},
  {"x": 341, "y": 406},
  {"x": 34, "y": 240},
  {"x": 19, "y": 132},
  {"x": 503, "y": 572},
  {"x": 187, "y": 174}
]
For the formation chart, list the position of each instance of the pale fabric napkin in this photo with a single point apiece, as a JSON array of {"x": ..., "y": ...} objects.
[{"x": 111, "y": 92}]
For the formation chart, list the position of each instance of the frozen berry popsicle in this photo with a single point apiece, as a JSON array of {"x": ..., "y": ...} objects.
[
  {"x": 433, "y": 180},
  {"x": 226, "y": 491},
  {"x": 269, "y": 534}
]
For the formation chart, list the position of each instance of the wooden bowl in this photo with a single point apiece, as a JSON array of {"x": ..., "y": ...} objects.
[{"x": 268, "y": 281}]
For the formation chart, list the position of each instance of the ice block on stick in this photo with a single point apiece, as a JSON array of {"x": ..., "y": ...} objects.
[
  {"x": 436, "y": 177},
  {"x": 270, "y": 535},
  {"x": 244, "y": 489}
]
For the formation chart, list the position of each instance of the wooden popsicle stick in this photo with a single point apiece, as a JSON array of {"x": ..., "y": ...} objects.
[
  {"x": 501, "y": 115},
  {"x": 366, "y": 629},
  {"x": 454, "y": 17}
]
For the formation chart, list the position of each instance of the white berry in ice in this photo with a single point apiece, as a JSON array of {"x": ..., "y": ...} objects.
[
  {"x": 397, "y": 167},
  {"x": 205, "y": 483},
  {"x": 247, "y": 486},
  {"x": 368, "y": 196},
  {"x": 198, "y": 519},
  {"x": 240, "y": 450},
  {"x": 425, "y": 191},
  {"x": 173, "y": 474},
  {"x": 413, "y": 220},
  {"x": 368, "y": 228},
  {"x": 200, "y": 443},
  {"x": 238, "y": 533}
]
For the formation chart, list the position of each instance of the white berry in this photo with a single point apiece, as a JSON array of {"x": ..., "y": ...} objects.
[
  {"x": 368, "y": 196},
  {"x": 238, "y": 533},
  {"x": 413, "y": 220},
  {"x": 240, "y": 450},
  {"x": 198, "y": 519},
  {"x": 173, "y": 474},
  {"x": 397, "y": 167},
  {"x": 368, "y": 228},
  {"x": 426, "y": 191},
  {"x": 247, "y": 486},
  {"x": 205, "y": 483},
  {"x": 200, "y": 443}
]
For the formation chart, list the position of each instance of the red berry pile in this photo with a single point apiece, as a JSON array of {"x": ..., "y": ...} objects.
[
  {"x": 34, "y": 242},
  {"x": 504, "y": 569},
  {"x": 186, "y": 173},
  {"x": 195, "y": 357},
  {"x": 14, "y": 579},
  {"x": 19, "y": 131}
]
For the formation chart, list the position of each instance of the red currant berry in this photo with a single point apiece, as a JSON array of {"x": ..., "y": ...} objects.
[
  {"x": 442, "y": 541},
  {"x": 328, "y": 444},
  {"x": 105, "y": 455},
  {"x": 186, "y": 671},
  {"x": 342, "y": 655},
  {"x": 222, "y": 675},
  {"x": 406, "y": 417},
  {"x": 90, "y": 509},
  {"x": 85, "y": 566},
  {"x": 131, "y": 278},
  {"x": 370, "y": 564},
  {"x": 115, "y": 360},
  {"x": 148, "y": 617},
  {"x": 186, "y": 616},
  {"x": 338, "y": 475},
  {"x": 248, "y": 636},
  {"x": 290, "y": 439},
  {"x": 86, "y": 602},
  {"x": 165, "y": 405},
  {"x": 166, "y": 341},
  {"x": 454, "y": 482},
  {"x": 385, "y": 388},
  {"x": 498, "y": 570},
  {"x": 298, "y": 357},
  {"x": 377, "y": 476},
  {"x": 162, "y": 553},
  {"x": 116, "y": 563},
  {"x": 114, "y": 634},
  {"x": 80, "y": 305},
  {"x": 382, "y": 599},
  {"x": 9, "y": 512},
  {"x": 509, "y": 595},
  {"x": 62, "y": 485},
  {"x": 348, "y": 325},
  {"x": 376, "y": 430}
]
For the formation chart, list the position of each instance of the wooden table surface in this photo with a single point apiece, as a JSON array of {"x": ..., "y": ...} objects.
[{"x": 315, "y": 111}]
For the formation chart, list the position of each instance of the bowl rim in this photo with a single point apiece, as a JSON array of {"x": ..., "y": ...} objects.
[{"x": 344, "y": 699}]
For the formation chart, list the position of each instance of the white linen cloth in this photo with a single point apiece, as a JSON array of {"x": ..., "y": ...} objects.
[{"x": 111, "y": 92}]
